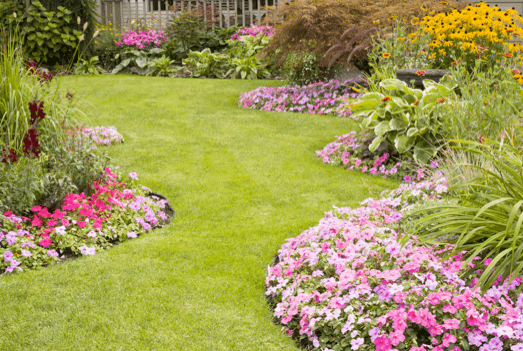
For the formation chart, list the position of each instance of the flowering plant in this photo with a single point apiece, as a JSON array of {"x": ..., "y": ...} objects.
[
  {"x": 472, "y": 33},
  {"x": 253, "y": 31},
  {"x": 348, "y": 150},
  {"x": 116, "y": 211},
  {"x": 318, "y": 98},
  {"x": 103, "y": 135},
  {"x": 142, "y": 39},
  {"x": 348, "y": 284}
]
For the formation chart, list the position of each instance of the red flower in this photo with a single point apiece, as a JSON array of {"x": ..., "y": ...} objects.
[
  {"x": 81, "y": 224},
  {"x": 416, "y": 103},
  {"x": 9, "y": 156},
  {"x": 45, "y": 242},
  {"x": 51, "y": 223},
  {"x": 442, "y": 100},
  {"x": 386, "y": 98},
  {"x": 421, "y": 73},
  {"x": 57, "y": 214}
]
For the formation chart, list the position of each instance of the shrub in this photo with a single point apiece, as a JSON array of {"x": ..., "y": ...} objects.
[
  {"x": 319, "y": 98},
  {"x": 105, "y": 49},
  {"x": 86, "y": 11},
  {"x": 408, "y": 119},
  {"x": 314, "y": 26},
  {"x": 303, "y": 69},
  {"x": 88, "y": 66},
  {"x": 137, "y": 61},
  {"x": 206, "y": 63}
]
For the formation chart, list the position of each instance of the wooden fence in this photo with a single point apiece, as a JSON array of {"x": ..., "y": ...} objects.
[{"x": 224, "y": 13}]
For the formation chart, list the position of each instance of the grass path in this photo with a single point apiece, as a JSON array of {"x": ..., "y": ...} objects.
[{"x": 241, "y": 181}]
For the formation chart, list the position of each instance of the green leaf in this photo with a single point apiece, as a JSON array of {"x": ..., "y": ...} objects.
[
  {"x": 375, "y": 143},
  {"x": 398, "y": 124},
  {"x": 393, "y": 84},
  {"x": 382, "y": 128},
  {"x": 403, "y": 143},
  {"x": 412, "y": 131}
]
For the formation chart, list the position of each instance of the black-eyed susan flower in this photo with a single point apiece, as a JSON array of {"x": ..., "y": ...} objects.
[{"x": 386, "y": 55}]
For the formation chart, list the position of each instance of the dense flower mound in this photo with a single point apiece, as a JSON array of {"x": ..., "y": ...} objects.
[
  {"x": 83, "y": 225},
  {"x": 103, "y": 135},
  {"x": 142, "y": 39},
  {"x": 253, "y": 30},
  {"x": 318, "y": 98},
  {"x": 348, "y": 151},
  {"x": 348, "y": 284}
]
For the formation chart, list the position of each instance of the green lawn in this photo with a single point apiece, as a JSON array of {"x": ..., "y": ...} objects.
[{"x": 241, "y": 182}]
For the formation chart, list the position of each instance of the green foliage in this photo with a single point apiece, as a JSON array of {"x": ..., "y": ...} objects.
[
  {"x": 137, "y": 61},
  {"x": 487, "y": 220},
  {"x": 161, "y": 67},
  {"x": 7, "y": 9},
  {"x": 248, "y": 68},
  {"x": 303, "y": 69},
  {"x": 489, "y": 102},
  {"x": 408, "y": 119},
  {"x": 186, "y": 28},
  {"x": 247, "y": 45},
  {"x": 86, "y": 10},
  {"x": 205, "y": 63},
  {"x": 21, "y": 184},
  {"x": 48, "y": 36},
  {"x": 90, "y": 66},
  {"x": 405, "y": 53},
  {"x": 105, "y": 48}
]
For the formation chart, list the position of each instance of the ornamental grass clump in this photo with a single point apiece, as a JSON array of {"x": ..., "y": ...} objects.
[
  {"x": 347, "y": 284},
  {"x": 318, "y": 98},
  {"x": 475, "y": 32},
  {"x": 487, "y": 218}
]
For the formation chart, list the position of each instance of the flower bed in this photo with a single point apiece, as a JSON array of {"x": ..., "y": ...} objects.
[
  {"x": 253, "y": 31},
  {"x": 142, "y": 39},
  {"x": 349, "y": 151},
  {"x": 85, "y": 224},
  {"x": 348, "y": 284},
  {"x": 318, "y": 98}
]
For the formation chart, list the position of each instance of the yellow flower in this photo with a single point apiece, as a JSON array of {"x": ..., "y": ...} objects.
[
  {"x": 376, "y": 22},
  {"x": 386, "y": 55},
  {"x": 392, "y": 18},
  {"x": 414, "y": 21}
]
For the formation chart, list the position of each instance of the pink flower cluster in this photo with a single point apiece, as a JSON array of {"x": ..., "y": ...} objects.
[
  {"x": 253, "y": 30},
  {"x": 142, "y": 39},
  {"x": 84, "y": 224},
  {"x": 318, "y": 98},
  {"x": 348, "y": 283},
  {"x": 103, "y": 135}
]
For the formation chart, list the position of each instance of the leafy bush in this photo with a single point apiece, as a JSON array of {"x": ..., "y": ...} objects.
[
  {"x": 48, "y": 36},
  {"x": 86, "y": 10},
  {"x": 105, "y": 48},
  {"x": 205, "y": 63},
  {"x": 304, "y": 69},
  {"x": 88, "y": 66},
  {"x": 314, "y": 26},
  {"x": 186, "y": 28},
  {"x": 408, "y": 119}
]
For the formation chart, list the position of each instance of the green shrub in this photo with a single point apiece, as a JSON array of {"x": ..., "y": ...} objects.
[
  {"x": 408, "y": 119},
  {"x": 248, "y": 68},
  {"x": 303, "y": 69},
  {"x": 161, "y": 67},
  {"x": 138, "y": 61}
]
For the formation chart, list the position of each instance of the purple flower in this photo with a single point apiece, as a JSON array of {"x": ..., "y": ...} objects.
[
  {"x": 133, "y": 175},
  {"x": 8, "y": 255},
  {"x": 52, "y": 253},
  {"x": 407, "y": 178},
  {"x": 26, "y": 253},
  {"x": 132, "y": 235}
]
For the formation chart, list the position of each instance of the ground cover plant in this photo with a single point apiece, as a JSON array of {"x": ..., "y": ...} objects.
[{"x": 317, "y": 98}]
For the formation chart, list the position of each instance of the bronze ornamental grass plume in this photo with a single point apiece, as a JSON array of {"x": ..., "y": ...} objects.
[{"x": 317, "y": 26}]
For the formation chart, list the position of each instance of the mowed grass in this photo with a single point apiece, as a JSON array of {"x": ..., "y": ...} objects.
[{"x": 241, "y": 182}]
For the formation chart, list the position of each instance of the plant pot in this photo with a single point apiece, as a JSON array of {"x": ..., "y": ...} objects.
[{"x": 408, "y": 75}]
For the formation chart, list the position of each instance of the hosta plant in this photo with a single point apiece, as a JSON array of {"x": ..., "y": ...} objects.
[
  {"x": 407, "y": 118},
  {"x": 248, "y": 67},
  {"x": 138, "y": 61},
  {"x": 90, "y": 66},
  {"x": 205, "y": 63}
]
